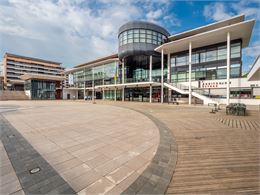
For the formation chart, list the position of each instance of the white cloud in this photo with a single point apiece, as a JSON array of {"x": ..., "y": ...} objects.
[
  {"x": 216, "y": 11},
  {"x": 243, "y": 7},
  {"x": 64, "y": 29},
  {"x": 70, "y": 31},
  {"x": 222, "y": 10},
  {"x": 253, "y": 51},
  {"x": 152, "y": 16}
]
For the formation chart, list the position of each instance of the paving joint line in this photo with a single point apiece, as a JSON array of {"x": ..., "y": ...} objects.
[
  {"x": 157, "y": 176},
  {"x": 24, "y": 157}
]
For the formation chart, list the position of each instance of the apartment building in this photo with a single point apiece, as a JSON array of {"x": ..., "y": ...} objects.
[{"x": 15, "y": 66}]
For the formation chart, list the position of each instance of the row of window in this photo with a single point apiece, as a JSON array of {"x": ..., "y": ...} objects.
[
  {"x": 207, "y": 73},
  {"x": 213, "y": 54},
  {"x": 107, "y": 71},
  {"x": 21, "y": 64},
  {"x": 141, "y": 36}
]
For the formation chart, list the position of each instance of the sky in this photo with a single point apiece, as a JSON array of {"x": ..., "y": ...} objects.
[{"x": 77, "y": 31}]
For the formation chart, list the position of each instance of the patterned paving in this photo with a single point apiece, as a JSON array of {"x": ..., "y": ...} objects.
[
  {"x": 95, "y": 149},
  {"x": 240, "y": 122},
  {"x": 25, "y": 158},
  {"x": 157, "y": 176},
  {"x": 213, "y": 158}
]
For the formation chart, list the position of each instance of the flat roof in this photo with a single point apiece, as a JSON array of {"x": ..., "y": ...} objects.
[
  {"x": 107, "y": 59},
  {"x": 31, "y": 58},
  {"x": 241, "y": 30},
  {"x": 97, "y": 60},
  {"x": 209, "y": 27},
  {"x": 28, "y": 76}
]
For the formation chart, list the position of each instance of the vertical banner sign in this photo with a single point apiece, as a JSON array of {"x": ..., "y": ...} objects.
[
  {"x": 71, "y": 79},
  {"x": 116, "y": 71}
]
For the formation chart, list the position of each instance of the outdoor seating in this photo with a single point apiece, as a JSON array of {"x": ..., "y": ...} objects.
[{"x": 236, "y": 109}]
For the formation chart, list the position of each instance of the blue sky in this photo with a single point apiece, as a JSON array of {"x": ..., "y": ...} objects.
[{"x": 76, "y": 31}]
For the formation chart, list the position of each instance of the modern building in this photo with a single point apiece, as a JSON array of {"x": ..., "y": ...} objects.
[
  {"x": 41, "y": 79},
  {"x": 200, "y": 65}
]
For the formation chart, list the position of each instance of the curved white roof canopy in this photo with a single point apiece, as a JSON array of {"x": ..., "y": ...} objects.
[{"x": 242, "y": 30}]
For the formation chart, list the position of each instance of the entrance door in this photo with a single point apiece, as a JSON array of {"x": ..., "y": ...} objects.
[{"x": 68, "y": 96}]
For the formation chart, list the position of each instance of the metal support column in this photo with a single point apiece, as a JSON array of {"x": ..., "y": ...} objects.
[
  {"x": 169, "y": 75},
  {"x": 228, "y": 66},
  {"x": 123, "y": 80},
  {"x": 93, "y": 87},
  {"x": 162, "y": 61},
  {"x": 84, "y": 93},
  {"x": 190, "y": 53},
  {"x": 103, "y": 83},
  {"x": 115, "y": 94},
  {"x": 150, "y": 78}
]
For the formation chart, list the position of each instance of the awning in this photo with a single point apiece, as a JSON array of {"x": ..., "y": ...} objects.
[
  {"x": 242, "y": 30},
  {"x": 27, "y": 76}
]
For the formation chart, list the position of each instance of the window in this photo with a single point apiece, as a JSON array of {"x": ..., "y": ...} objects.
[
  {"x": 211, "y": 73},
  {"x": 222, "y": 53},
  {"x": 182, "y": 77},
  {"x": 200, "y": 74},
  {"x": 173, "y": 61},
  {"x": 148, "y": 32},
  {"x": 195, "y": 58},
  {"x": 203, "y": 57},
  {"x": 142, "y": 36},
  {"x": 211, "y": 55},
  {"x": 182, "y": 60},
  {"x": 235, "y": 70},
  {"x": 130, "y": 36},
  {"x": 142, "y": 31},
  {"x": 235, "y": 50},
  {"x": 222, "y": 72}
]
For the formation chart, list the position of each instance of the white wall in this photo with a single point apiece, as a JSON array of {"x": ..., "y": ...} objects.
[
  {"x": 73, "y": 93},
  {"x": 243, "y": 101},
  {"x": 238, "y": 82}
]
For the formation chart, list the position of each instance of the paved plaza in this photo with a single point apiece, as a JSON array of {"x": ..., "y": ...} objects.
[
  {"x": 114, "y": 147},
  {"x": 94, "y": 148}
]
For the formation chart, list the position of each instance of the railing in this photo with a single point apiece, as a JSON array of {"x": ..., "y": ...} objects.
[
  {"x": 194, "y": 89},
  {"x": 180, "y": 86}
]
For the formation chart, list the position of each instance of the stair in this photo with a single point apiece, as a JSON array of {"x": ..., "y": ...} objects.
[
  {"x": 13, "y": 95},
  {"x": 182, "y": 89}
]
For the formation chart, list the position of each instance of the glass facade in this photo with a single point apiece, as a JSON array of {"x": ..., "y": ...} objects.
[
  {"x": 44, "y": 90},
  {"x": 104, "y": 74},
  {"x": 136, "y": 70},
  {"x": 208, "y": 63},
  {"x": 141, "y": 36}
]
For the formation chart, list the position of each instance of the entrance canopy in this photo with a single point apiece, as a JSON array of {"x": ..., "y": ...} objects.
[
  {"x": 241, "y": 30},
  {"x": 125, "y": 85},
  {"x": 42, "y": 77}
]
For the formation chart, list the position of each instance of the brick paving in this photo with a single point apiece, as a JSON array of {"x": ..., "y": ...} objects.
[
  {"x": 25, "y": 158},
  {"x": 213, "y": 158},
  {"x": 248, "y": 122},
  {"x": 94, "y": 148},
  {"x": 157, "y": 176}
]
